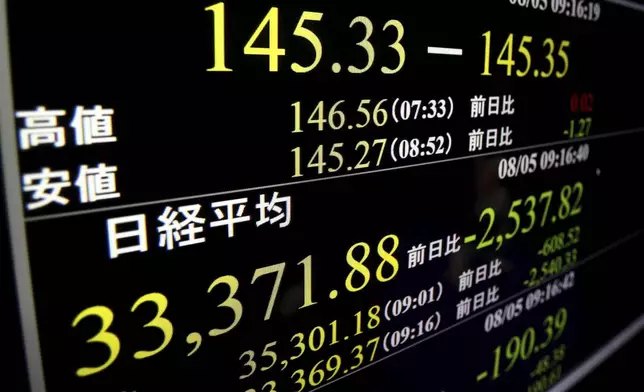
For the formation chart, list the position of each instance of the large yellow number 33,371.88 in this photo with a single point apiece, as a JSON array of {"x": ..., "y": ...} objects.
[
  {"x": 112, "y": 341},
  {"x": 158, "y": 322},
  {"x": 231, "y": 302},
  {"x": 105, "y": 337}
]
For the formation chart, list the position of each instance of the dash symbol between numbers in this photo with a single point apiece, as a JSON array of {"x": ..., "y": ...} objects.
[
  {"x": 471, "y": 238},
  {"x": 446, "y": 51}
]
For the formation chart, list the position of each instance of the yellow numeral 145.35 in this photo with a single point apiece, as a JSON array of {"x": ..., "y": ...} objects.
[{"x": 506, "y": 57}]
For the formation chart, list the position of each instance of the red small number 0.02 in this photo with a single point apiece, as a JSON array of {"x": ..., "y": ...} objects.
[
  {"x": 574, "y": 103},
  {"x": 581, "y": 103}
]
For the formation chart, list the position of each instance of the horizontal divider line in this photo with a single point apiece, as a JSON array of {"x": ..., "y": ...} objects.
[
  {"x": 628, "y": 4},
  {"x": 314, "y": 180}
]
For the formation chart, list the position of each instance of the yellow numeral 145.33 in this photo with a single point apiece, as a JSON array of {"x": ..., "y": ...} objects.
[
  {"x": 273, "y": 51},
  {"x": 270, "y": 24}
]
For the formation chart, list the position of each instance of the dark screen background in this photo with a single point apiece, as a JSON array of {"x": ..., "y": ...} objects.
[{"x": 183, "y": 131}]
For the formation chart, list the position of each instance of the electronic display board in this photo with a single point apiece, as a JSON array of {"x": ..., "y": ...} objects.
[{"x": 320, "y": 195}]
